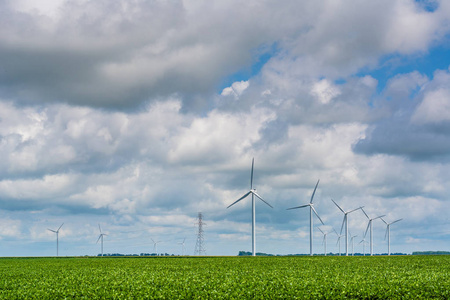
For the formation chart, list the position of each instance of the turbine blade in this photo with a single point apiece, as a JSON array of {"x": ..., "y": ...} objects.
[
  {"x": 396, "y": 221},
  {"x": 387, "y": 229},
  {"x": 251, "y": 176},
  {"x": 368, "y": 224},
  {"x": 99, "y": 237},
  {"x": 354, "y": 209},
  {"x": 301, "y": 206},
  {"x": 378, "y": 217},
  {"x": 320, "y": 230},
  {"x": 365, "y": 213},
  {"x": 384, "y": 221},
  {"x": 314, "y": 210},
  {"x": 312, "y": 196},
  {"x": 51, "y": 230},
  {"x": 239, "y": 199},
  {"x": 99, "y": 228},
  {"x": 153, "y": 241},
  {"x": 256, "y": 194},
  {"x": 338, "y": 206},
  {"x": 60, "y": 227},
  {"x": 343, "y": 221}
]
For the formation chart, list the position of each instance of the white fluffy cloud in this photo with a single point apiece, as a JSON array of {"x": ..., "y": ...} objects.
[{"x": 123, "y": 114}]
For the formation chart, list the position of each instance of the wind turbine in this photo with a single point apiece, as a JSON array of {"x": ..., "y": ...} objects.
[
  {"x": 155, "y": 246},
  {"x": 345, "y": 220},
  {"x": 371, "y": 231},
  {"x": 351, "y": 241},
  {"x": 364, "y": 245},
  {"x": 254, "y": 193},
  {"x": 100, "y": 237},
  {"x": 57, "y": 239},
  {"x": 388, "y": 233},
  {"x": 339, "y": 241},
  {"x": 182, "y": 246},
  {"x": 311, "y": 210},
  {"x": 324, "y": 242}
]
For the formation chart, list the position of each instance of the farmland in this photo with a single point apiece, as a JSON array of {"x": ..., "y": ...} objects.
[{"x": 395, "y": 277}]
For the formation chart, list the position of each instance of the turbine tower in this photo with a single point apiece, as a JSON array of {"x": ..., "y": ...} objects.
[
  {"x": 388, "y": 233},
  {"x": 100, "y": 237},
  {"x": 311, "y": 210},
  {"x": 254, "y": 193},
  {"x": 199, "y": 246},
  {"x": 57, "y": 239},
  {"x": 345, "y": 220},
  {"x": 324, "y": 242},
  {"x": 371, "y": 231}
]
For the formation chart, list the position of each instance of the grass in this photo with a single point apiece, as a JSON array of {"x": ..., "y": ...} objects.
[{"x": 395, "y": 277}]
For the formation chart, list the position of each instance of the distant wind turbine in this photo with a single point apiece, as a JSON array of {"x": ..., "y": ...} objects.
[
  {"x": 352, "y": 237},
  {"x": 100, "y": 237},
  {"x": 57, "y": 239},
  {"x": 345, "y": 221},
  {"x": 182, "y": 247},
  {"x": 253, "y": 193},
  {"x": 364, "y": 242},
  {"x": 155, "y": 246},
  {"x": 311, "y": 210},
  {"x": 339, "y": 241},
  {"x": 324, "y": 242},
  {"x": 371, "y": 231},
  {"x": 388, "y": 233}
]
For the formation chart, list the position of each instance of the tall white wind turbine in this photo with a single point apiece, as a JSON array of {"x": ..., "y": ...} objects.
[
  {"x": 155, "y": 246},
  {"x": 388, "y": 233},
  {"x": 253, "y": 193},
  {"x": 324, "y": 242},
  {"x": 57, "y": 238},
  {"x": 371, "y": 231},
  {"x": 100, "y": 237},
  {"x": 311, "y": 210},
  {"x": 345, "y": 220}
]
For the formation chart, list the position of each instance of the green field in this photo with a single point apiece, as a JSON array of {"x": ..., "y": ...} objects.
[{"x": 395, "y": 277}]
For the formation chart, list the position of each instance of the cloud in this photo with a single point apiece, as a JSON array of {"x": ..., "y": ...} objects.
[
  {"x": 417, "y": 125},
  {"x": 139, "y": 114},
  {"x": 435, "y": 108},
  {"x": 124, "y": 54},
  {"x": 236, "y": 89},
  {"x": 324, "y": 91}
]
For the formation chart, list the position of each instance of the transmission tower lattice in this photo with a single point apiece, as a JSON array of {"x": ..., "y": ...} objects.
[{"x": 199, "y": 247}]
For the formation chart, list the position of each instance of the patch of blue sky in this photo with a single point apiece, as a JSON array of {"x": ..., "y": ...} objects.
[
  {"x": 437, "y": 58},
  {"x": 428, "y": 5},
  {"x": 260, "y": 57}
]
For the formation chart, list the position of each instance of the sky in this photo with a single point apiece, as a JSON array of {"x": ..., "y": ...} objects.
[{"x": 138, "y": 114}]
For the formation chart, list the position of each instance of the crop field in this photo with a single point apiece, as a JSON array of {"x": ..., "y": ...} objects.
[{"x": 395, "y": 277}]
